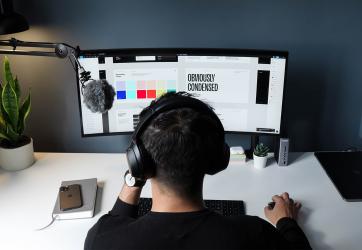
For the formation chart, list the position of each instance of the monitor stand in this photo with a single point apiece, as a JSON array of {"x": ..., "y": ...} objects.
[{"x": 254, "y": 140}]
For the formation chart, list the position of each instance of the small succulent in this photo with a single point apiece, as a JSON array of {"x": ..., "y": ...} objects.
[
  {"x": 261, "y": 150},
  {"x": 13, "y": 111}
]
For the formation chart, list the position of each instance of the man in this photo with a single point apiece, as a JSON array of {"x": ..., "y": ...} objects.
[{"x": 183, "y": 143}]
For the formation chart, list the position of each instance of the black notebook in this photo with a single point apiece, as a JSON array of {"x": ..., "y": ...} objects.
[{"x": 345, "y": 171}]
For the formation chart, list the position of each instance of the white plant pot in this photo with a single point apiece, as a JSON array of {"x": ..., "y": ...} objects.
[
  {"x": 14, "y": 159},
  {"x": 259, "y": 162}
]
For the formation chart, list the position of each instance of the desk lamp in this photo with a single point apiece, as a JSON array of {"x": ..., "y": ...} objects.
[
  {"x": 10, "y": 21},
  {"x": 98, "y": 95}
]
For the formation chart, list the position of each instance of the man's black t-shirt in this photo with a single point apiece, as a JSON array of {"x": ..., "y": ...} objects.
[{"x": 121, "y": 229}]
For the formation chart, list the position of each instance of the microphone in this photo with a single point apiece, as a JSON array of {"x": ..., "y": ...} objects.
[{"x": 98, "y": 96}]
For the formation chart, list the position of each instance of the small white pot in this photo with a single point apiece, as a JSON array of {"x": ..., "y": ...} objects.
[
  {"x": 14, "y": 159},
  {"x": 259, "y": 162}
]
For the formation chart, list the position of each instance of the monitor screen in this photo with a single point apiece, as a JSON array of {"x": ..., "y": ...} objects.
[{"x": 245, "y": 87}]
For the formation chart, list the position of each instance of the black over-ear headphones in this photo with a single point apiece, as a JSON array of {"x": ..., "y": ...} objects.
[{"x": 141, "y": 164}]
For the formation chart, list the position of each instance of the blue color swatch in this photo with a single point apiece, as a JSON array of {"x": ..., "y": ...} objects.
[{"x": 121, "y": 95}]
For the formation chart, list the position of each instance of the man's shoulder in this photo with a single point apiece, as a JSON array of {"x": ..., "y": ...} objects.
[
  {"x": 246, "y": 219},
  {"x": 239, "y": 218},
  {"x": 243, "y": 221}
]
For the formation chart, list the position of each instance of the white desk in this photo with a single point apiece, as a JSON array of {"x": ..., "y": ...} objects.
[{"x": 27, "y": 198}]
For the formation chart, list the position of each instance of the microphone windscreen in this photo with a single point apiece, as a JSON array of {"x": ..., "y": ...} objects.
[{"x": 98, "y": 96}]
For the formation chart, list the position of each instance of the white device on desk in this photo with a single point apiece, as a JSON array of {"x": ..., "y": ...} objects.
[
  {"x": 237, "y": 154},
  {"x": 88, "y": 195},
  {"x": 282, "y": 151}
]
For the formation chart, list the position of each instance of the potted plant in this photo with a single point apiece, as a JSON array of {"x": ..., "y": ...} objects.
[
  {"x": 16, "y": 149},
  {"x": 260, "y": 156}
]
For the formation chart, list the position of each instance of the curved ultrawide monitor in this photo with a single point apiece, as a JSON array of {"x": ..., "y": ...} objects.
[{"x": 245, "y": 87}]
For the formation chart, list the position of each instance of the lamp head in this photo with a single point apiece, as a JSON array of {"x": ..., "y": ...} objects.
[{"x": 10, "y": 21}]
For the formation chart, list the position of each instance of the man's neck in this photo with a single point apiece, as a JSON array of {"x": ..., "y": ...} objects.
[{"x": 167, "y": 201}]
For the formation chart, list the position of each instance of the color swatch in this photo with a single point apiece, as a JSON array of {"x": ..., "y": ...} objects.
[{"x": 144, "y": 89}]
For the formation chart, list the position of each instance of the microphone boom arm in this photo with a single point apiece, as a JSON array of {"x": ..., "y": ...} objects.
[
  {"x": 98, "y": 95},
  {"x": 61, "y": 50},
  {"x": 14, "y": 43}
]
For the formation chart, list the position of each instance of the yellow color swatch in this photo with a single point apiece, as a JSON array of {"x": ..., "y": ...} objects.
[{"x": 160, "y": 92}]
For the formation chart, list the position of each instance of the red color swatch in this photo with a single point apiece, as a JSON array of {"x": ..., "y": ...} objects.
[
  {"x": 141, "y": 94},
  {"x": 151, "y": 93}
]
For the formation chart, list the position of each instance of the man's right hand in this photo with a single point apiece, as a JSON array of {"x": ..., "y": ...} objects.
[{"x": 284, "y": 207}]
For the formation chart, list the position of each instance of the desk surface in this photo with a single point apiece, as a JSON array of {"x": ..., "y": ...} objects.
[{"x": 27, "y": 198}]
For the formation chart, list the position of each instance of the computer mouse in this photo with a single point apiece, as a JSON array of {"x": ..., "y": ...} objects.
[{"x": 271, "y": 205}]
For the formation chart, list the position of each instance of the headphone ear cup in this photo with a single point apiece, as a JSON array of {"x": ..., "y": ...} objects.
[
  {"x": 221, "y": 162},
  {"x": 148, "y": 165},
  {"x": 134, "y": 160},
  {"x": 226, "y": 157},
  {"x": 140, "y": 163}
]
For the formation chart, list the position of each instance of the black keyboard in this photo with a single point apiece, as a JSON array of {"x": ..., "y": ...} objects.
[{"x": 223, "y": 207}]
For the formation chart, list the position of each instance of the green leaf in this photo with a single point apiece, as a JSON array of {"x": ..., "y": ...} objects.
[
  {"x": 10, "y": 104},
  {"x": 1, "y": 102},
  {"x": 17, "y": 88},
  {"x": 261, "y": 150},
  {"x": 4, "y": 116},
  {"x": 3, "y": 136},
  {"x": 13, "y": 136},
  {"x": 3, "y": 113},
  {"x": 7, "y": 72},
  {"x": 2, "y": 123},
  {"x": 24, "y": 113}
]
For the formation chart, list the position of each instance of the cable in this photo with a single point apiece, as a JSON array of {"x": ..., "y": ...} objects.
[
  {"x": 73, "y": 65},
  {"x": 351, "y": 149},
  {"x": 69, "y": 46},
  {"x": 53, "y": 219}
]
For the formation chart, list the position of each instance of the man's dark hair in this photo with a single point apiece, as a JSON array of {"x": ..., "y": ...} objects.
[{"x": 183, "y": 143}]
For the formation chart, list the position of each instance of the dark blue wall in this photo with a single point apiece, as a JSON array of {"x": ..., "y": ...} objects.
[{"x": 324, "y": 88}]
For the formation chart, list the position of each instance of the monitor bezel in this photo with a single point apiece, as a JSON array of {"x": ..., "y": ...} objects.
[{"x": 184, "y": 51}]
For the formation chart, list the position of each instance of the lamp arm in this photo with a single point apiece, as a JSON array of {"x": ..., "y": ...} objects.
[
  {"x": 27, "y": 53},
  {"x": 18, "y": 43},
  {"x": 13, "y": 42},
  {"x": 61, "y": 50}
]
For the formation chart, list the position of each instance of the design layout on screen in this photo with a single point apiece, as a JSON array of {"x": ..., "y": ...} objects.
[{"x": 245, "y": 91}]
